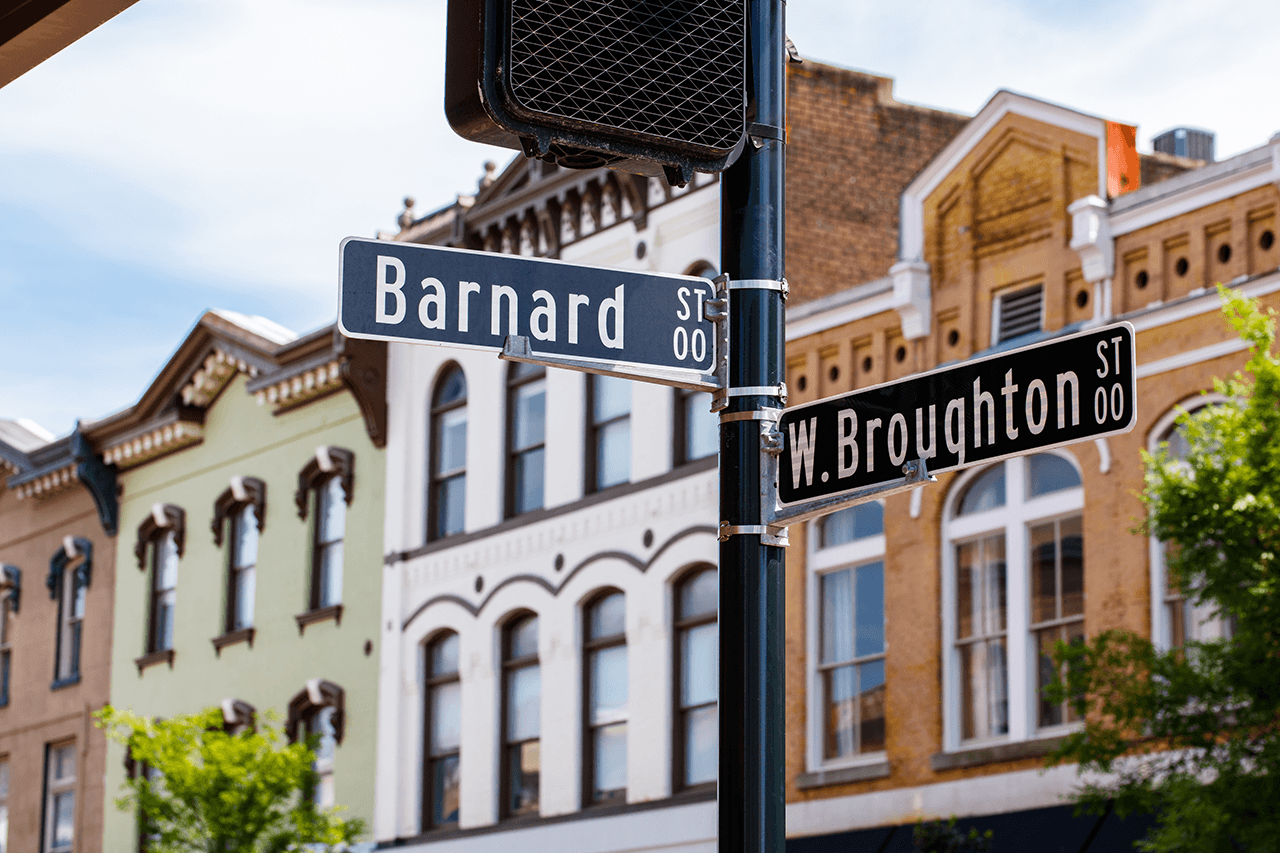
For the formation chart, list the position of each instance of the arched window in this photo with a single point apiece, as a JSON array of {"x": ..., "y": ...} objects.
[
  {"x": 317, "y": 713},
  {"x": 1176, "y": 618},
  {"x": 244, "y": 506},
  {"x": 447, "y": 498},
  {"x": 526, "y": 437},
  {"x": 604, "y": 653},
  {"x": 440, "y": 789},
  {"x": 521, "y": 716},
  {"x": 10, "y": 595},
  {"x": 330, "y": 476},
  {"x": 70, "y": 572},
  {"x": 697, "y": 669},
  {"x": 161, "y": 537},
  {"x": 1014, "y": 586},
  {"x": 608, "y": 431}
]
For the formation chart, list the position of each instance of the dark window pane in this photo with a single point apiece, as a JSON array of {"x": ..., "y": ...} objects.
[
  {"x": 451, "y": 442},
  {"x": 871, "y": 685},
  {"x": 1051, "y": 473},
  {"x": 840, "y": 688},
  {"x": 851, "y": 524},
  {"x": 524, "y": 703},
  {"x": 701, "y": 427},
  {"x": 610, "y": 756},
  {"x": 530, "y": 417},
  {"x": 869, "y": 598},
  {"x": 611, "y": 398},
  {"x": 523, "y": 638},
  {"x": 701, "y": 745},
  {"x": 699, "y": 595},
  {"x": 444, "y": 655},
  {"x": 451, "y": 498},
  {"x": 1071, "y": 530},
  {"x": 700, "y": 665},
  {"x": 837, "y": 617},
  {"x": 607, "y": 617},
  {"x": 452, "y": 388},
  {"x": 984, "y": 493},
  {"x": 1044, "y": 550},
  {"x": 524, "y": 770},
  {"x": 444, "y": 789},
  {"x": 608, "y": 699},
  {"x": 529, "y": 478},
  {"x": 613, "y": 454}
]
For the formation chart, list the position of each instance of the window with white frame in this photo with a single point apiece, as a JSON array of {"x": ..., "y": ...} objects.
[
  {"x": 442, "y": 778},
  {"x": 1013, "y": 563},
  {"x": 447, "y": 491},
  {"x": 329, "y": 475},
  {"x": 697, "y": 730},
  {"x": 526, "y": 437},
  {"x": 1176, "y": 617},
  {"x": 608, "y": 442},
  {"x": 521, "y": 716},
  {"x": 697, "y": 428},
  {"x": 60, "y": 798},
  {"x": 847, "y": 641},
  {"x": 161, "y": 538}
]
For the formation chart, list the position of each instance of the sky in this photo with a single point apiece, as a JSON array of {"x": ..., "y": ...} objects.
[{"x": 196, "y": 154}]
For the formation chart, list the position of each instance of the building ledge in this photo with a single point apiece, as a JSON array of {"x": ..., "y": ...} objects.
[
  {"x": 992, "y": 754},
  {"x": 320, "y": 614},
  {"x": 153, "y": 658},
  {"x": 244, "y": 635},
  {"x": 843, "y": 775}
]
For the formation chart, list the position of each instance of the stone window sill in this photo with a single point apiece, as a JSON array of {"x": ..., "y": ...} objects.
[
  {"x": 994, "y": 754},
  {"x": 244, "y": 635},
  {"x": 320, "y": 614},
  {"x": 153, "y": 658},
  {"x": 843, "y": 775}
]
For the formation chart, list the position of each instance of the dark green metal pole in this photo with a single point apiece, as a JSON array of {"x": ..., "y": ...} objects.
[{"x": 751, "y": 816}]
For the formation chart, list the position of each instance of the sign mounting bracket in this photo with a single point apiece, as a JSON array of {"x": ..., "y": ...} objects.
[{"x": 516, "y": 348}]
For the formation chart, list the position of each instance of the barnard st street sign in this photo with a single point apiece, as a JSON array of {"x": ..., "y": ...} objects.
[
  {"x": 460, "y": 298},
  {"x": 1049, "y": 394}
]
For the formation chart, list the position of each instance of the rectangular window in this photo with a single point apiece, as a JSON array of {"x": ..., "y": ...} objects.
[
  {"x": 60, "y": 798},
  {"x": 981, "y": 627},
  {"x": 4, "y": 653},
  {"x": 71, "y": 621},
  {"x": 851, "y": 665},
  {"x": 697, "y": 428},
  {"x": 242, "y": 580},
  {"x": 320, "y": 724},
  {"x": 608, "y": 432},
  {"x": 698, "y": 680},
  {"x": 1018, "y": 313},
  {"x": 1057, "y": 603},
  {"x": 526, "y": 438},
  {"x": 164, "y": 583},
  {"x": 330, "y": 528},
  {"x": 605, "y": 652},
  {"x": 522, "y": 716}
]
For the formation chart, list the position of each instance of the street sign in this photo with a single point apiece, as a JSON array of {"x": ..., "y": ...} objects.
[
  {"x": 460, "y": 298},
  {"x": 1046, "y": 395}
]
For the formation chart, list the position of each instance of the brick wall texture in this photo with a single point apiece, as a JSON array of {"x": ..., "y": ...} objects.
[{"x": 851, "y": 150}]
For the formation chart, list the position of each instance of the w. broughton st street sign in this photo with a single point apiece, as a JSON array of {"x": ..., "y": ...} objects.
[
  {"x": 476, "y": 300},
  {"x": 1046, "y": 395}
]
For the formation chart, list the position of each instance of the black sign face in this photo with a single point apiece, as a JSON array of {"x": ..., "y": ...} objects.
[
  {"x": 460, "y": 298},
  {"x": 1058, "y": 392}
]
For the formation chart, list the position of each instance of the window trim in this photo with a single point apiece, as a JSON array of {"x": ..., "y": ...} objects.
[
  {"x": 435, "y": 414},
  {"x": 508, "y": 665},
  {"x": 820, "y": 561},
  {"x": 10, "y": 596},
  {"x": 306, "y": 704},
  {"x": 590, "y": 646},
  {"x": 1161, "y": 629},
  {"x": 51, "y": 789},
  {"x": 1014, "y": 519},
  {"x": 326, "y": 465},
  {"x": 426, "y": 821},
  {"x": 513, "y": 384},
  {"x": 680, "y": 429},
  {"x": 678, "y": 627},
  {"x": 64, "y": 590},
  {"x": 163, "y": 520},
  {"x": 243, "y": 492}
]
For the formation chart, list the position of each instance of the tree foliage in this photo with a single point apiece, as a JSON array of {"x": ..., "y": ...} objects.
[
  {"x": 198, "y": 789},
  {"x": 941, "y": 836},
  {"x": 1192, "y": 735}
]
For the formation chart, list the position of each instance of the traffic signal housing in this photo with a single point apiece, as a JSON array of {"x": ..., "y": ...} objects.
[{"x": 646, "y": 86}]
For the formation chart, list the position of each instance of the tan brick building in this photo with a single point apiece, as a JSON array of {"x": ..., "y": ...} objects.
[
  {"x": 915, "y": 626},
  {"x": 57, "y": 576}
]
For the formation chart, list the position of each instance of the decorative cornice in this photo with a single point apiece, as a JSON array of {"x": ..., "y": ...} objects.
[
  {"x": 208, "y": 381},
  {"x": 134, "y": 450},
  {"x": 303, "y": 387},
  {"x": 54, "y": 482}
]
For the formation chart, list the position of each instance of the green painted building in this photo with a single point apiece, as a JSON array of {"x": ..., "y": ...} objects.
[{"x": 250, "y": 548}]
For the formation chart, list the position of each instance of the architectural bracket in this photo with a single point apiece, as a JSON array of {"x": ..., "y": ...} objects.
[
  {"x": 912, "y": 297},
  {"x": 100, "y": 480}
]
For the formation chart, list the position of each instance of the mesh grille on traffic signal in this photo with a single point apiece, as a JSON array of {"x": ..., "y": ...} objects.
[{"x": 668, "y": 69}]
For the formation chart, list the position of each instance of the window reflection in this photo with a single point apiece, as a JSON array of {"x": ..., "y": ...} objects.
[{"x": 606, "y": 700}]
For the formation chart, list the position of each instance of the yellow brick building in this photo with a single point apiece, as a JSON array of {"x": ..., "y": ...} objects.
[{"x": 915, "y": 626}]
